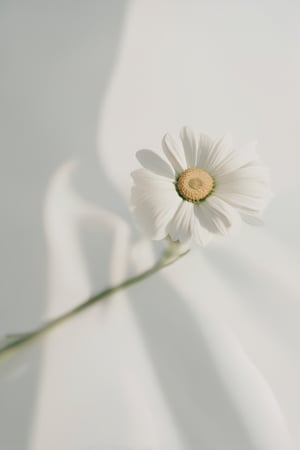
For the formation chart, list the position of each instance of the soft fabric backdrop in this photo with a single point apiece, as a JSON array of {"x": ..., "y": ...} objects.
[{"x": 206, "y": 354}]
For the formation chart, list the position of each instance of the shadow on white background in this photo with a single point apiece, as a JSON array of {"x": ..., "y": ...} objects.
[{"x": 57, "y": 59}]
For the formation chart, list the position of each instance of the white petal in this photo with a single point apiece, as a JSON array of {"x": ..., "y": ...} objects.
[
  {"x": 217, "y": 216},
  {"x": 144, "y": 177},
  {"x": 204, "y": 147},
  {"x": 252, "y": 188},
  {"x": 247, "y": 189},
  {"x": 201, "y": 235},
  {"x": 181, "y": 226},
  {"x": 210, "y": 221},
  {"x": 189, "y": 145},
  {"x": 244, "y": 156},
  {"x": 213, "y": 153},
  {"x": 155, "y": 163},
  {"x": 205, "y": 143},
  {"x": 252, "y": 173},
  {"x": 154, "y": 208},
  {"x": 225, "y": 213},
  {"x": 174, "y": 154},
  {"x": 244, "y": 203}
]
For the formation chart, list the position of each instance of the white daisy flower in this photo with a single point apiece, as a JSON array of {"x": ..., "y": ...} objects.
[{"x": 204, "y": 189}]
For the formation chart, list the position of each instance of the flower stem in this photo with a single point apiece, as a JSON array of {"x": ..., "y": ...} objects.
[{"x": 171, "y": 254}]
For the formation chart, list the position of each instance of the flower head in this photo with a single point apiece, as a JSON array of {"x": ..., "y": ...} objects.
[{"x": 203, "y": 188}]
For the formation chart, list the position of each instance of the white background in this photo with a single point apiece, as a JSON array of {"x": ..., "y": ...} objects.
[{"x": 204, "y": 356}]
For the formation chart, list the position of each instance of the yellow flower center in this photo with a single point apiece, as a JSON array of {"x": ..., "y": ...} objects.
[{"x": 194, "y": 184}]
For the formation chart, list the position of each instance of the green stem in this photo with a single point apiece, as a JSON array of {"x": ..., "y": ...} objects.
[{"x": 171, "y": 255}]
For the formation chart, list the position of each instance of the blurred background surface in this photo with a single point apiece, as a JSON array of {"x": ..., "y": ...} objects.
[{"x": 204, "y": 355}]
